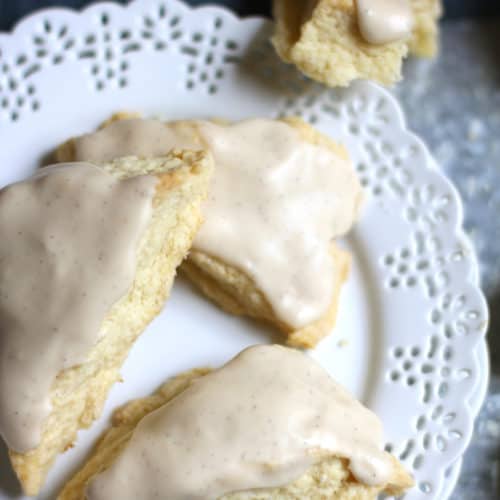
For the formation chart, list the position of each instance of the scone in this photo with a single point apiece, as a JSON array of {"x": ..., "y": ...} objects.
[
  {"x": 282, "y": 192},
  {"x": 270, "y": 424},
  {"x": 88, "y": 258},
  {"x": 424, "y": 40},
  {"x": 324, "y": 40}
]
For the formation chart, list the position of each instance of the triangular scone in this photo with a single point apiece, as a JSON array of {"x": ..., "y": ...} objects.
[
  {"x": 330, "y": 477},
  {"x": 227, "y": 284},
  {"x": 323, "y": 40},
  {"x": 236, "y": 292},
  {"x": 79, "y": 392}
]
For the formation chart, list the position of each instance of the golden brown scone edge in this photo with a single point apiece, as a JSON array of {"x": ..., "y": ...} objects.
[
  {"x": 78, "y": 393},
  {"x": 425, "y": 38},
  {"x": 328, "y": 479},
  {"x": 329, "y": 48}
]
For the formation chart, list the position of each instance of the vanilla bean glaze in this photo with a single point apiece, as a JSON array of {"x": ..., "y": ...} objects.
[
  {"x": 384, "y": 21},
  {"x": 275, "y": 204},
  {"x": 68, "y": 245},
  {"x": 258, "y": 422},
  {"x": 133, "y": 137}
]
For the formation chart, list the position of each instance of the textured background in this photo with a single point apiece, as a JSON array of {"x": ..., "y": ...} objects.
[{"x": 452, "y": 102}]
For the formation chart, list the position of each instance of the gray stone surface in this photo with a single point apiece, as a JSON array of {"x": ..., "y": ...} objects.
[{"x": 454, "y": 104}]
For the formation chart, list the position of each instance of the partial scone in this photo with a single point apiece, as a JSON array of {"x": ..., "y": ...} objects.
[
  {"x": 271, "y": 424},
  {"x": 75, "y": 398},
  {"x": 324, "y": 40},
  {"x": 236, "y": 293},
  {"x": 275, "y": 181},
  {"x": 424, "y": 41}
]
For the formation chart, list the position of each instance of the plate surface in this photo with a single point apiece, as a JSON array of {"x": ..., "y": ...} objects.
[{"x": 410, "y": 336}]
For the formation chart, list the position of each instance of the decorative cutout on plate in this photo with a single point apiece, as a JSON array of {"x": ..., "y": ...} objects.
[
  {"x": 208, "y": 52},
  {"x": 160, "y": 28},
  {"x": 427, "y": 207},
  {"x": 17, "y": 90},
  {"x": 452, "y": 316},
  {"x": 52, "y": 42},
  {"x": 419, "y": 262},
  {"x": 105, "y": 51}
]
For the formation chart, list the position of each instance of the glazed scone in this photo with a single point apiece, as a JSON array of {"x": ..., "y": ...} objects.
[
  {"x": 78, "y": 393},
  {"x": 236, "y": 289},
  {"x": 150, "y": 421},
  {"x": 322, "y": 38},
  {"x": 239, "y": 291}
]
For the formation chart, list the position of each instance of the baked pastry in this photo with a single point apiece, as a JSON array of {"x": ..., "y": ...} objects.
[
  {"x": 236, "y": 292},
  {"x": 424, "y": 41},
  {"x": 108, "y": 241},
  {"x": 270, "y": 424},
  {"x": 328, "y": 41},
  {"x": 281, "y": 193}
]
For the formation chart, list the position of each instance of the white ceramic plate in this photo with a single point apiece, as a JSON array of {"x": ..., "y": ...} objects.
[{"x": 412, "y": 314}]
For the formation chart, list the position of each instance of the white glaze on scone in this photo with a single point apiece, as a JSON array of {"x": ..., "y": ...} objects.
[
  {"x": 260, "y": 421},
  {"x": 275, "y": 204},
  {"x": 133, "y": 137},
  {"x": 384, "y": 21},
  {"x": 274, "y": 207},
  {"x": 67, "y": 254}
]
